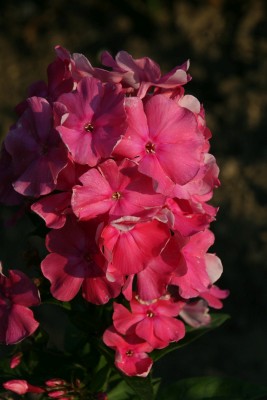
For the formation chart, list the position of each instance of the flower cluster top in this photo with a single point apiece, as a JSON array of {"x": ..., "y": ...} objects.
[{"x": 116, "y": 161}]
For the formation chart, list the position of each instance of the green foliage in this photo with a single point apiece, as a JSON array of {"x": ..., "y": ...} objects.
[{"x": 215, "y": 388}]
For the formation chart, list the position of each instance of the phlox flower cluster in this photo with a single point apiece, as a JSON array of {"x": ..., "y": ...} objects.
[{"x": 116, "y": 161}]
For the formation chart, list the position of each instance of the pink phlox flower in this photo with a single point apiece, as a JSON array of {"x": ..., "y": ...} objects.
[
  {"x": 152, "y": 281},
  {"x": 20, "y": 386},
  {"x": 55, "y": 207},
  {"x": 75, "y": 262},
  {"x": 152, "y": 321},
  {"x": 141, "y": 74},
  {"x": 115, "y": 188},
  {"x": 129, "y": 244},
  {"x": 131, "y": 352},
  {"x": 190, "y": 217},
  {"x": 17, "y": 294},
  {"x": 157, "y": 132},
  {"x": 44, "y": 154},
  {"x": 201, "y": 187},
  {"x": 93, "y": 121},
  {"x": 196, "y": 313},
  {"x": 213, "y": 296},
  {"x": 202, "y": 268}
]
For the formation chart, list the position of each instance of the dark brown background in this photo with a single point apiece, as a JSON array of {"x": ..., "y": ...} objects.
[{"x": 226, "y": 42}]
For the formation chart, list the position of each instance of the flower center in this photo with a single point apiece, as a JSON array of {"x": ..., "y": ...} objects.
[
  {"x": 150, "y": 147},
  {"x": 88, "y": 127},
  {"x": 129, "y": 353},
  {"x": 150, "y": 314},
  {"x": 116, "y": 196}
]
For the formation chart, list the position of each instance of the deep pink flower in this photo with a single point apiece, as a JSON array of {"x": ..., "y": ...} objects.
[
  {"x": 152, "y": 321},
  {"x": 157, "y": 132},
  {"x": 17, "y": 294},
  {"x": 140, "y": 74},
  {"x": 151, "y": 283},
  {"x": 44, "y": 154},
  {"x": 117, "y": 189},
  {"x": 203, "y": 268},
  {"x": 21, "y": 386},
  {"x": 92, "y": 121},
  {"x": 131, "y": 353},
  {"x": 213, "y": 296},
  {"x": 190, "y": 217},
  {"x": 76, "y": 262},
  {"x": 129, "y": 244}
]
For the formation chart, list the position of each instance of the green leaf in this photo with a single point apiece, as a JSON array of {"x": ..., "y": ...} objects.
[
  {"x": 215, "y": 388},
  {"x": 191, "y": 335},
  {"x": 141, "y": 386}
]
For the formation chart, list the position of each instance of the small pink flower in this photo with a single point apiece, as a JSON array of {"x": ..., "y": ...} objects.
[
  {"x": 140, "y": 74},
  {"x": 152, "y": 321},
  {"x": 75, "y": 262},
  {"x": 17, "y": 294},
  {"x": 93, "y": 118},
  {"x": 157, "y": 132},
  {"x": 131, "y": 353},
  {"x": 116, "y": 189}
]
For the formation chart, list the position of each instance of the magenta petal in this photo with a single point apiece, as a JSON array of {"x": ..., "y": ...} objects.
[
  {"x": 20, "y": 324},
  {"x": 64, "y": 286}
]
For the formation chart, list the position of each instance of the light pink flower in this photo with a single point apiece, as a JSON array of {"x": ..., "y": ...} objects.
[
  {"x": 202, "y": 268},
  {"x": 157, "y": 133},
  {"x": 116, "y": 189},
  {"x": 131, "y": 353},
  {"x": 44, "y": 154},
  {"x": 17, "y": 294},
  {"x": 15, "y": 360},
  {"x": 152, "y": 321},
  {"x": 93, "y": 118}
]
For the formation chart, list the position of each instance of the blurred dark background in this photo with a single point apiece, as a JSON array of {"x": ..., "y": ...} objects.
[{"x": 226, "y": 42}]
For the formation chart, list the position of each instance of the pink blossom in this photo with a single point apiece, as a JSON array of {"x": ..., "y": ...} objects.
[
  {"x": 200, "y": 266},
  {"x": 21, "y": 386},
  {"x": 17, "y": 294},
  {"x": 117, "y": 189},
  {"x": 152, "y": 281},
  {"x": 140, "y": 74},
  {"x": 190, "y": 217},
  {"x": 213, "y": 296},
  {"x": 129, "y": 244},
  {"x": 131, "y": 353},
  {"x": 156, "y": 133},
  {"x": 44, "y": 154},
  {"x": 76, "y": 262},
  {"x": 152, "y": 321},
  {"x": 92, "y": 121}
]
